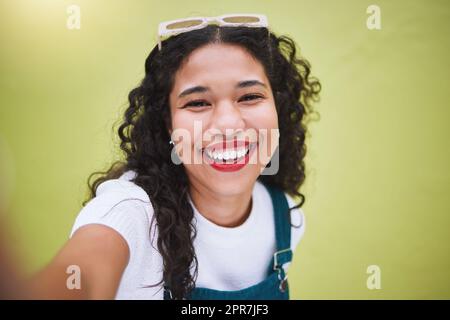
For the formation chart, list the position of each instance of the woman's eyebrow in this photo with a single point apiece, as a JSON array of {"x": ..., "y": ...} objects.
[
  {"x": 241, "y": 84},
  {"x": 193, "y": 90},
  {"x": 250, "y": 83}
]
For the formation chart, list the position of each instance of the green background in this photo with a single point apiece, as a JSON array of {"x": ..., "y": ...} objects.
[{"x": 378, "y": 178}]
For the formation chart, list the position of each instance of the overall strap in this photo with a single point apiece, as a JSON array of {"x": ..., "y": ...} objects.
[{"x": 282, "y": 218}]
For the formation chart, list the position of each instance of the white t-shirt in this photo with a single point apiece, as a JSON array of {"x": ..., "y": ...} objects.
[{"x": 228, "y": 258}]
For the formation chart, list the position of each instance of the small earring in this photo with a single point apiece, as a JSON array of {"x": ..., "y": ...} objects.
[{"x": 171, "y": 142}]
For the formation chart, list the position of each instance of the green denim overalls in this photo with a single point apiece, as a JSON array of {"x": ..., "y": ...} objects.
[{"x": 275, "y": 285}]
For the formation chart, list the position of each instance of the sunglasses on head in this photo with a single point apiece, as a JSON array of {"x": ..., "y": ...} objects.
[{"x": 174, "y": 27}]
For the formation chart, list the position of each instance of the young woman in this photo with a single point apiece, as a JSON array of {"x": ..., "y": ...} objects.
[{"x": 161, "y": 225}]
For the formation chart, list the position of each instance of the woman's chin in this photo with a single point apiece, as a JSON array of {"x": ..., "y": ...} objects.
[{"x": 230, "y": 188}]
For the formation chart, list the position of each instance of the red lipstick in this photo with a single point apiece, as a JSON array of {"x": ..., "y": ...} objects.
[{"x": 229, "y": 165}]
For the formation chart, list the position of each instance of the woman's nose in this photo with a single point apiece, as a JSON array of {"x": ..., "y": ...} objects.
[{"x": 227, "y": 116}]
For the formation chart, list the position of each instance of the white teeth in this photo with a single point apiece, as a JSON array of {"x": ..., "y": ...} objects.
[{"x": 228, "y": 154}]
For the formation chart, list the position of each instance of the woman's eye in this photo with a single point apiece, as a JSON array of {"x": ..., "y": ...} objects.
[
  {"x": 250, "y": 97},
  {"x": 203, "y": 103},
  {"x": 197, "y": 103}
]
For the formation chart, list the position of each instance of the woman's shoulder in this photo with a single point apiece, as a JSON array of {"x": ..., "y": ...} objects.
[
  {"x": 122, "y": 187},
  {"x": 114, "y": 192},
  {"x": 121, "y": 205}
]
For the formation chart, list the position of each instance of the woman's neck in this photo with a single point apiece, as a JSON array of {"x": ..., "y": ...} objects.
[{"x": 226, "y": 211}]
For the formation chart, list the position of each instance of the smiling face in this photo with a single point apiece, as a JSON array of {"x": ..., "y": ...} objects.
[{"x": 222, "y": 104}]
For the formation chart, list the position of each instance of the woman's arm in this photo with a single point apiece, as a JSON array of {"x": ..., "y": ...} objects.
[{"x": 98, "y": 252}]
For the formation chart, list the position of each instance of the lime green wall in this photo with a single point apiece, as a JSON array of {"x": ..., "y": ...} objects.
[{"x": 378, "y": 182}]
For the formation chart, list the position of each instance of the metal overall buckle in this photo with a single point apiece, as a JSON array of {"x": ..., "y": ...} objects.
[{"x": 283, "y": 279}]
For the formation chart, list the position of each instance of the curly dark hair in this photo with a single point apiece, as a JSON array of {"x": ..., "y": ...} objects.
[{"x": 144, "y": 136}]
